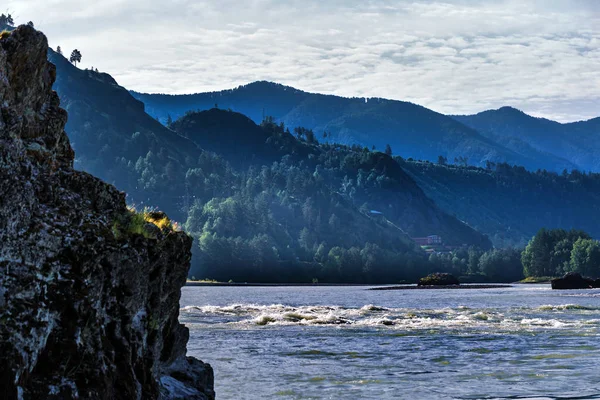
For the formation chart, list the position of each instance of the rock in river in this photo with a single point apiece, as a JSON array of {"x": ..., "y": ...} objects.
[
  {"x": 573, "y": 280},
  {"x": 439, "y": 279}
]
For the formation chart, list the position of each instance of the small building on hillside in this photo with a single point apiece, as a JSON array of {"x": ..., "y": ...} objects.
[{"x": 431, "y": 240}]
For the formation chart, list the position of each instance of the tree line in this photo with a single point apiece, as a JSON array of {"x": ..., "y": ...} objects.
[{"x": 555, "y": 252}]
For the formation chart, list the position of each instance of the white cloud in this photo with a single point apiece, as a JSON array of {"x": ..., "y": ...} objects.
[{"x": 452, "y": 56}]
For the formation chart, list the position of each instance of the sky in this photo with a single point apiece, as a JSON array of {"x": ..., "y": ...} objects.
[{"x": 454, "y": 56}]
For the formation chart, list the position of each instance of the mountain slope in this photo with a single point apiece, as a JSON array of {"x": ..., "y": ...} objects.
[
  {"x": 510, "y": 204},
  {"x": 411, "y": 130},
  {"x": 374, "y": 180},
  {"x": 116, "y": 140},
  {"x": 577, "y": 142}
]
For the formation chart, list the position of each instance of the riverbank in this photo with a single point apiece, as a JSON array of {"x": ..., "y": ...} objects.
[
  {"x": 368, "y": 286},
  {"x": 413, "y": 287},
  {"x": 538, "y": 279},
  {"x": 196, "y": 283}
]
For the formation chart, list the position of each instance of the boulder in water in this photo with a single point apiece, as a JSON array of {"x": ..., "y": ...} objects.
[{"x": 574, "y": 280}]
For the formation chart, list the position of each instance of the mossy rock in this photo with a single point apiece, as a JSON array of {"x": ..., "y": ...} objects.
[{"x": 439, "y": 279}]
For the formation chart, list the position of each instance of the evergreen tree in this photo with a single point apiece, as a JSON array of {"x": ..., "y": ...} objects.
[
  {"x": 6, "y": 21},
  {"x": 75, "y": 57},
  {"x": 388, "y": 150}
]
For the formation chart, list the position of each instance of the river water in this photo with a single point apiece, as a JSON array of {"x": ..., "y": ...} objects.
[{"x": 350, "y": 343}]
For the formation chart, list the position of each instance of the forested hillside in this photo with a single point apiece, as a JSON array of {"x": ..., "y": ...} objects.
[
  {"x": 411, "y": 130},
  {"x": 509, "y": 203},
  {"x": 264, "y": 204},
  {"x": 116, "y": 140}
]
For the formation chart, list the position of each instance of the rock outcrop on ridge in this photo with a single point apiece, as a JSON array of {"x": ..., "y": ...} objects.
[{"x": 89, "y": 290}]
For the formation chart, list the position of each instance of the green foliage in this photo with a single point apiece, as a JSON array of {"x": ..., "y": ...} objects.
[
  {"x": 130, "y": 224},
  {"x": 585, "y": 257},
  {"x": 477, "y": 265},
  {"x": 4, "y": 34},
  {"x": 501, "y": 265},
  {"x": 555, "y": 252}
]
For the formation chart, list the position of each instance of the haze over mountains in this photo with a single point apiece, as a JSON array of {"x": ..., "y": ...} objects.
[{"x": 411, "y": 130}]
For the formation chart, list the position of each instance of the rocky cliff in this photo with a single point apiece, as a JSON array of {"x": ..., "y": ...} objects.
[{"x": 89, "y": 290}]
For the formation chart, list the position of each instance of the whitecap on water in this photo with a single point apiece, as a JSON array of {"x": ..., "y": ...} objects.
[{"x": 396, "y": 318}]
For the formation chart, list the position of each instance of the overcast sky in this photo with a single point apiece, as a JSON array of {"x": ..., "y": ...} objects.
[{"x": 453, "y": 56}]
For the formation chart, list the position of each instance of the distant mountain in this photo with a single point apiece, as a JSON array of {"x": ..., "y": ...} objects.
[
  {"x": 577, "y": 142},
  {"x": 411, "y": 130},
  {"x": 508, "y": 203}
]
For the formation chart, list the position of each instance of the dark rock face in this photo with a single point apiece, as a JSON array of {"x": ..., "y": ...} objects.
[
  {"x": 573, "y": 280},
  {"x": 439, "y": 279},
  {"x": 85, "y": 313}
]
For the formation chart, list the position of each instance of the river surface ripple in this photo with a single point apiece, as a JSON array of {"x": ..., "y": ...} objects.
[{"x": 525, "y": 342}]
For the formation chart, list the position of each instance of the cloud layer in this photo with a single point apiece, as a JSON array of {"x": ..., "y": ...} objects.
[{"x": 456, "y": 57}]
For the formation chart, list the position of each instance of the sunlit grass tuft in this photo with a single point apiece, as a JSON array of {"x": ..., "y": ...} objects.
[{"x": 136, "y": 223}]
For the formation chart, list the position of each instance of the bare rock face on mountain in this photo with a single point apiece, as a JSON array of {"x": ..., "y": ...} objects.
[{"x": 89, "y": 291}]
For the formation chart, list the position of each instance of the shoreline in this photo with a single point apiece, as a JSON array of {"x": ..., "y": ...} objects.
[
  {"x": 368, "y": 286},
  {"x": 222, "y": 284},
  {"x": 433, "y": 287}
]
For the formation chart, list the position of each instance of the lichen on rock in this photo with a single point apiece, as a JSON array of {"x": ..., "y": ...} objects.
[{"x": 84, "y": 313}]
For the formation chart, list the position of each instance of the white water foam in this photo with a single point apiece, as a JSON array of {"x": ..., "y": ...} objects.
[{"x": 522, "y": 318}]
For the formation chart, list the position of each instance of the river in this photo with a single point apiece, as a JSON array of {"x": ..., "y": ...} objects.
[{"x": 350, "y": 343}]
